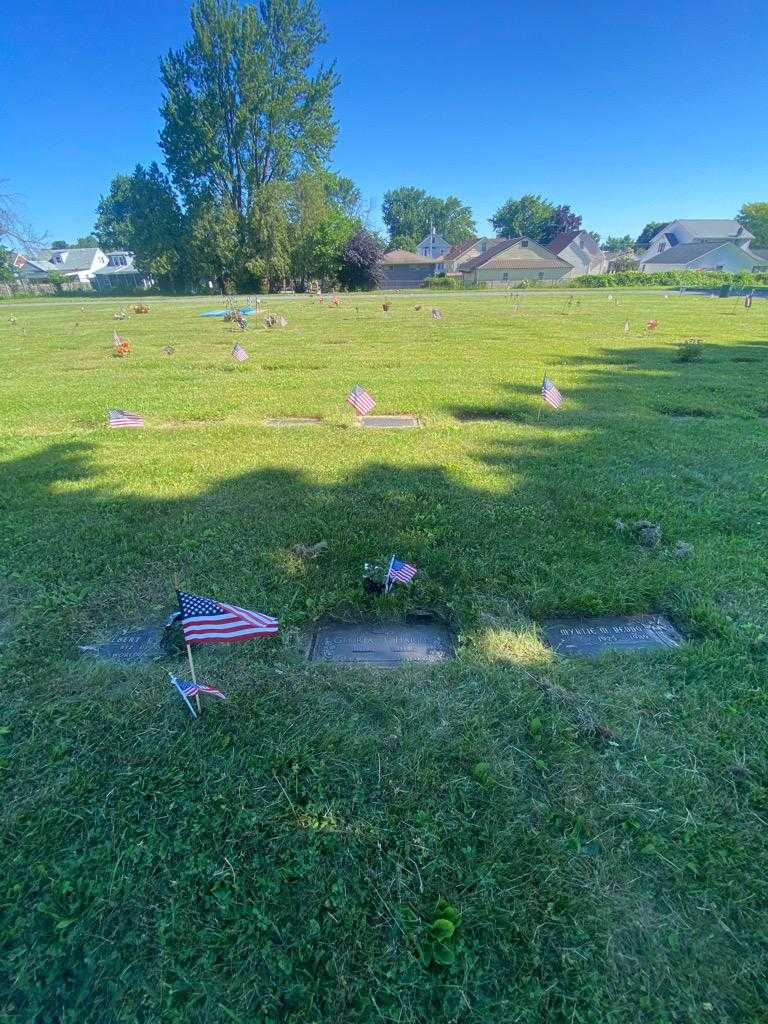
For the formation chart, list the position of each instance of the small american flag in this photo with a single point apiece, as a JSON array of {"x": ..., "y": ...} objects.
[
  {"x": 188, "y": 690},
  {"x": 116, "y": 339},
  {"x": 360, "y": 400},
  {"x": 239, "y": 353},
  {"x": 400, "y": 572},
  {"x": 205, "y": 621},
  {"x": 437, "y": 314},
  {"x": 550, "y": 394},
  {"x": 121, "y": 418}
]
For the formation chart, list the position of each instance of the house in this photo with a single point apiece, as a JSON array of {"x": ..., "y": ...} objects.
[
  {"x": 120, "y": 274},
  {"x": 696, "y": 232},
  {"x": 451, "y": 261},
  {"x": 76, "y": 265},
  {"x": 580, "y": 250},
  {"x": 728, "y": 256},
  {"x": 512, "y": 260},
  {"x": 402, "y": 269},
  {"x": 433, "y": 245}
]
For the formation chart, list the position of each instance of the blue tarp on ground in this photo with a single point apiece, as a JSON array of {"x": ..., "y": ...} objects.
[{"x": 223, "y": 312}]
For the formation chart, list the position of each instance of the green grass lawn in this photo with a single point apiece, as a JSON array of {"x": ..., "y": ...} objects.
[{"x": 597, "y": 829}]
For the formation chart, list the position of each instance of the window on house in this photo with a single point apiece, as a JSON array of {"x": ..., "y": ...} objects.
[
  {"x": 524, "y": 243},
  {"x": 541, "y": 275},
  {"x": 719, "y": 267},
  {"x": 505, "y": 276}
]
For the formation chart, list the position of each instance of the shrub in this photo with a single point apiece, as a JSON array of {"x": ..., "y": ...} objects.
[
  {"x": 690, "y": 351},
  {"x": 441, "y": 281}
]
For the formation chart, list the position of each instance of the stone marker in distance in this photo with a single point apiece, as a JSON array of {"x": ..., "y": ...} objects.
[
  {"x": 383, "y": 644},
  {"x": 135, "y": 645},
  {"x": 388, "y": 422},
  {"x": 592, "y": 637}
]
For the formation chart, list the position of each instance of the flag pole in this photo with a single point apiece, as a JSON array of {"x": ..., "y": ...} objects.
[
  {"x": 389, "y": 575},
  {"x": 189, "y": 649},
  {"x": 194, "y": 679},
  {"x": 541, "y": 396}
]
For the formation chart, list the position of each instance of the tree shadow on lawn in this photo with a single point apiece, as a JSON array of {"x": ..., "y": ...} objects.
[{"x": 305, "y": 831}]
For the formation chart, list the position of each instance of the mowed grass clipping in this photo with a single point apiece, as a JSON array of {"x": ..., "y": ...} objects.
[{"x": 511, "y": 837}]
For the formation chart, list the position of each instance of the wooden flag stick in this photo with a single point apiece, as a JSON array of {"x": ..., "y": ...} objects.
[
  {"x": 194, "y": 679},
  {"x": 189, "y": 649},
  {"x": 388, "y": 586}
]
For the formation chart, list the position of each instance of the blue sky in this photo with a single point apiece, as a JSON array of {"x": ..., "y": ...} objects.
[{"x": 626, "y": 111}]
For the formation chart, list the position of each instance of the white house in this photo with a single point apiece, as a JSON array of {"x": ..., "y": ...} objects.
[
  {"x": 696, "y": 232},
  {"x": 433, "y": 245},
  {"x": 73, "y": 264},
  {"x": 726, "y": 256},
  {"x": 119, "y": 273},
  {"x": 580, "y": 250}
]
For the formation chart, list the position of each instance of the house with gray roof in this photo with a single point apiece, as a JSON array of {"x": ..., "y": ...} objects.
[
  {"x": 74, "y": 264},
  {"x": 403, "y": 269},
  {"x": 714, "y": 233},
  {"x": 120, "y": 274},
  {"x": 721, "y": 255},
  {"x": 580, "y": 250}
]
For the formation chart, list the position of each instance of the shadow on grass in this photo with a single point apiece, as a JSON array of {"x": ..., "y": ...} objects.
[{"x": 288, "y": 855}]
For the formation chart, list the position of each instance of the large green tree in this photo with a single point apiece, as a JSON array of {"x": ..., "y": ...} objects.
[
  {"x": 530, "y": 215},
  {"x": 142, "y": 214},
  {"x": 618, "y": 243},
  {"x": 754, "y": 217},
  {"x": 410, "y": 212},
  {"x": 322, "y": 219},
  {"x": 244, "y": 105}
]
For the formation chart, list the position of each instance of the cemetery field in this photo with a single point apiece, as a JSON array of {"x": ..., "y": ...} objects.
[{"x": 591, "y": 834}]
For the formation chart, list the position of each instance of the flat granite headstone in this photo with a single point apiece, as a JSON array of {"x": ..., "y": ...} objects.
[
  {"x": 384, "y": 422},
  {"x": 591, "y": 637},
  {"x": 384, "y": 644},
  {"x": 132, "y": 646},
  {"x": 294, "y": 421}
]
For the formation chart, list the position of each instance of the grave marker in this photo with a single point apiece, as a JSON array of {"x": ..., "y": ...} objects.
[
  {"x": 592, "y": 637},
  {"x": 388, "y": 422},
  {"x": 383, "y": 644}
]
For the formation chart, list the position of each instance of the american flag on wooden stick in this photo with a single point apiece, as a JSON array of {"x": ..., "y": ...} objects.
[
  {"x": 400, "y": 572},
  {"x": 205, "y": 621},
  {"x": 121, "y": 418},
  {"x": 360, "y": 400},
  {"x": 550, "y": 394},
  {"x": 239, "y": 353},
  {"x": 187, "y": 690}
]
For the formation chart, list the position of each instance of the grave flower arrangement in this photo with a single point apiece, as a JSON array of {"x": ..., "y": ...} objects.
[
  {"x": 652, "y": 325},
  {"x": 374, "y": 578},
  {"x": 122, "y": 348}
]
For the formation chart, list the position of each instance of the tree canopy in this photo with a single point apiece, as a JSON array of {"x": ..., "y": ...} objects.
[
  {"x": 409, "y": 213},
  {"x": 535, "y": 217},
  {"x": 242, "y": 107},
  {"x": 142, "y": 214},
  {"x": 754, "y": 217}
]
